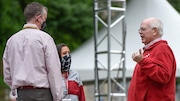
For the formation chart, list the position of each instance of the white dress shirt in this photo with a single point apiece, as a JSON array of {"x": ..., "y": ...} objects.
[{"x": 30, "y": 58}]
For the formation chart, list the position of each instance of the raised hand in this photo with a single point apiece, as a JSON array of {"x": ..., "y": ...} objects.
[{"x": 138, "y": 56}]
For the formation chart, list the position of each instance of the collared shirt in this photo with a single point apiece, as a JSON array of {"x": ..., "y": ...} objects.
[
  {"x": 154, "y": 77},
  {"x": 152, "y": 42},
  {"x": 30, "y": 58}
]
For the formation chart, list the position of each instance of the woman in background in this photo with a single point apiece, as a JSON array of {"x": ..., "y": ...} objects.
[{"x": 72, "y": 85}]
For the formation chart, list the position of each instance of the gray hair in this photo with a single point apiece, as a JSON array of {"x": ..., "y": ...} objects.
[
  {"x": 156, "y": 23},
  {"x": 33, "y": 9}
]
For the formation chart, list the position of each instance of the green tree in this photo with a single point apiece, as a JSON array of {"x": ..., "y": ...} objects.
[
  {"x": 175, "y": 4},
  {"x": 11, "y": 20},
  {"x": 72, "y": 21},
  {"x": 69, "y": 21}
]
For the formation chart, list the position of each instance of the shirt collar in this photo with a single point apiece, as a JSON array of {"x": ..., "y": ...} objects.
[
  {"x": 151, "y": 43},
  {"x": 30, "y": 26}
]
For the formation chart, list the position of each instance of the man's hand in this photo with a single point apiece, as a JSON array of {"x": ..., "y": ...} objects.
[{"x": 137, "y": 57}]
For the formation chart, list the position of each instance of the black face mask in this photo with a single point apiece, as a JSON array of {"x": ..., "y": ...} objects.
[
  {"x": 43, "y": 26},
  {"x": 65, "y": 63}
]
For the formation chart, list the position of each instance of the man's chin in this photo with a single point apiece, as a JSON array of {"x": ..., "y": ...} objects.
[{"x": 143, "y": 42}]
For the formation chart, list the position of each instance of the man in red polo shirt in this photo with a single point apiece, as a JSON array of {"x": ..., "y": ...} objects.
[{"x": 154, "y": 74}]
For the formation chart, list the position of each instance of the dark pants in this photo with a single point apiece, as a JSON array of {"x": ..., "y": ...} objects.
[{"x": 34, "y": 95}]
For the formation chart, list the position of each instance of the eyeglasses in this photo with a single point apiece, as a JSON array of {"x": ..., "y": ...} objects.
[{"x": 142, "y": 29}]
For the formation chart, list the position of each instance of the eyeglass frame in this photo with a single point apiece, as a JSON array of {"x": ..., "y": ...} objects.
[{"x": 144, "y": 29}]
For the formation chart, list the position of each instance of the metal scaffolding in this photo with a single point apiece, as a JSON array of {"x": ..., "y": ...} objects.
[{"x": 109, "y": 88}]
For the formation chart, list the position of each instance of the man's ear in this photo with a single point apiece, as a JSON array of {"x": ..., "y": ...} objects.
[
  {"x": 155, "y": 31},
  {"x": 37, "y": 17}
]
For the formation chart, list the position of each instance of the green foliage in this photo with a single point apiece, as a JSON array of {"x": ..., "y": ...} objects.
[
  {"x": 10, "y": 20},
  {"x": 68, "y": 21},
  {"x": 72, "y": 21},
  {"x": 175, "y": 4}
]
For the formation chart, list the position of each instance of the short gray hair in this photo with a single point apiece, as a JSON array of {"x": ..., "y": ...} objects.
[
  {"x": 156, "y": 23},
  {"x": 33, "y": 9}
]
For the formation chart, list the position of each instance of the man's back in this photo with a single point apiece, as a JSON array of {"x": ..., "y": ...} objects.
[
  {"x": 26, "y": 52},
  {"x": 30, "y": 58}
]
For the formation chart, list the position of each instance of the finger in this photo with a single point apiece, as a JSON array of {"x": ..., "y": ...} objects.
[
  {"x": 134, "y": 54},
  {"x": 140, "y": 51}
]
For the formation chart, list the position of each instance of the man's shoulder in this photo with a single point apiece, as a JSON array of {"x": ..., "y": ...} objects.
[{"x": 43, "y": 33}]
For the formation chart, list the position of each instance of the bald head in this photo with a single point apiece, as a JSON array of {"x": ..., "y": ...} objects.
[
  {"x": 150, "y": 29},
  {"x": 155, "y": 23}
]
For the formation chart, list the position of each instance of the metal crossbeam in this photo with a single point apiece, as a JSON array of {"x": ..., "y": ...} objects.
[{"x": 111, "y": 87}]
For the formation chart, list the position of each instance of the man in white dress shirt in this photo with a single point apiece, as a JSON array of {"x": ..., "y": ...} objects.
[{"x": 30, "y": 60}]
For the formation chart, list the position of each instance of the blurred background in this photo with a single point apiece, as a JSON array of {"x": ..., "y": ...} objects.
[{"x": 69, "y": 21}]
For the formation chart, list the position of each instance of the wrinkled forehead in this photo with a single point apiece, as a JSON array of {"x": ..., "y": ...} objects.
[
  {"x": 145, "y": 23},
  {"x": 148, "y": 21}
]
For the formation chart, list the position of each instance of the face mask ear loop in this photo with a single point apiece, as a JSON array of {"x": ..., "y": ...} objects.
[{"x": 43, "y": 26}]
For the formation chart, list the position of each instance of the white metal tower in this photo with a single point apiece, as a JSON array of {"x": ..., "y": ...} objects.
[{"x": 107, "y": 13}]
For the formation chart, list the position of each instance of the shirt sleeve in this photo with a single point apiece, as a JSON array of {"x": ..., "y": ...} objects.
[
  {"x": 81, "y": 95},
  {"x": 54, "y": 71},
  {"x": 159, "y": 68},
  {"x": 6, "y": 67}
]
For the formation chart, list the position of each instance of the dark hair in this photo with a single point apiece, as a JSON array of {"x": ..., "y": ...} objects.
[
  {"x": 59, "y": 47},
  {"x": 33, "y": 9}
]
